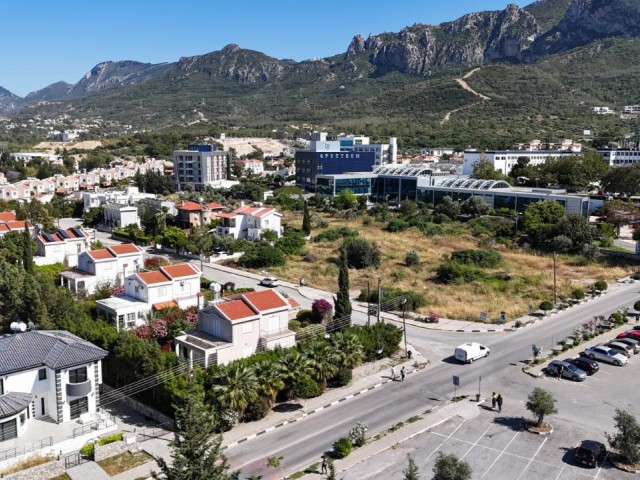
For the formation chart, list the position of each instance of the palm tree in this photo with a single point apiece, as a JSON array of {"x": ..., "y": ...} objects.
[
  {"x": 294, "y": 367},
  {"x": 236, "y": 387},
  {"x": 348, "y": 348},
  {"x": 324, "y": 359},
  {"x": 270, "y": 378}
]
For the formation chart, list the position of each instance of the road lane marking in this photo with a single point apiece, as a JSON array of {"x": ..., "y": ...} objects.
[
  {"x": 561, "y": 470},
  {"x": 476, "y": 443},
  {"x": 442, "y": 443},
  {"x": 534, "y": 456},
  {"x": 498, "y": 457}
]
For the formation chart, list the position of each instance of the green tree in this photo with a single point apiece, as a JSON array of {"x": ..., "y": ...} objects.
[
  {"x": 306, "y": 220},
  {"x": 450, "y": 467},
  {"x": 474, "y": 206},
  {"x": 361, "y": 253},
  {"x": 412, "y": 472},
  {"x": 622, "y": 180},
  {"x": 626, "y": 439},
  {"x": 448, "y": 207},
  {"x": 540, "y": 402},
  {"x": 270, "y": 379},
  {"x": 520, "y": 168},
  {"x": 174, "y": 237},
  {"x": 345, "y": 200},
  {"x": 342, "y": 302},
  {"x": 575, "y": 227},
  {"x": 484, "y": 170},
  {"x": 349, "y": 349},
  {"x": 408, "y": 208},
  {"x": 324, "y": 359},
  {"x": 295, "y": 368},
  {"x": 196, "y": 448},
  {"x": 262, "y": 255},
  {"x": 237, "y": 386},
  {"x": 94, "y": 217},
  {"x": 541, "y": 218}
]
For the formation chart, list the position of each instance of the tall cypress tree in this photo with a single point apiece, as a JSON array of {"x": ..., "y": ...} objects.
[
  {"x": 27, "y": 252},
  {"x": 342, "y": 302},
  {"x": 197, "y": 452},
  {"x": 306, "y": 220}
]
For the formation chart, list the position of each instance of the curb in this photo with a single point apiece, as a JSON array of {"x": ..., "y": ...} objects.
[
  {"x": 531, "y": 374},
  {"x": 319, "y": 409},
  {"x": 543, "y": 434}
]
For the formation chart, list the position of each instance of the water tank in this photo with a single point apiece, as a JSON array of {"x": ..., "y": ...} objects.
[{"x": 18, "y": 327}]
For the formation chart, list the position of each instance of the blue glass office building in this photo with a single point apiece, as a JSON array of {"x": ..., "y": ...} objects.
[{"x": 310, "y": 164}]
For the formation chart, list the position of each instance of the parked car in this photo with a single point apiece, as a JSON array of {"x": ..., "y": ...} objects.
[
  {"x": 636, "y": 327},
  {"x": 589, "y": 453},
  {"x": 470, "y": 351},
  {"x": 635, "y": 334},
  {"x": 635, "y": 344},
  {"x": 620, "y": 348},
  {"x": 586, "y": 364},
  {"x": 269, "y": 282},
  {"x": 567, "y": 370},
  {"x": 605, "y": 354}
]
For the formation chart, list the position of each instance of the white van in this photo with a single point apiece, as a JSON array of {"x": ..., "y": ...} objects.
[{"x": 470, "y": 351}]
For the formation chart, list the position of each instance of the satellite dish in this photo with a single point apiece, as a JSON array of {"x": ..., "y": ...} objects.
[{"x": 216, "y": 287}]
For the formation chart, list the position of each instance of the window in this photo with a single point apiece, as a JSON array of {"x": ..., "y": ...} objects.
[
  {"x": 78, "y": 407},
  {"x": 1, "y": 386},
  {"x": 42, "y": 374},
  {"x": 8, "y": 430},
  {"x": 78, "y": 375},
  {"x": 247, "y": 327}
]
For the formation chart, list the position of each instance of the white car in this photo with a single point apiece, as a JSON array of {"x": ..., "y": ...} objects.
[
  {"x": 269, "y": 282},
  {"x": 606, "y": 354}
]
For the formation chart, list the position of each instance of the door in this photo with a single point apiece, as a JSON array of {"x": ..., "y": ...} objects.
[
  {"x": 274, "y": 324},
  {"x": 78, "y": 407},
  {"x": 42, "y": 405}
]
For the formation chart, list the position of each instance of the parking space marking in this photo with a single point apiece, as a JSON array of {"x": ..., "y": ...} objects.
[
  {"x": 498, "y": 457},
  {"x": 601, "y": 465},
  {"x": 561, "y": 470},
  {"x": 534, "y": 456},
  {"x": 443, "y": 441},
  {"x": 476, "y": 443}
]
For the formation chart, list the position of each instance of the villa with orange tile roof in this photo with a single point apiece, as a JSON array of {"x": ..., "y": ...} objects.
[
  {"x": 8, "y": 223},
  {"x": 105, "y": 266},
  {"x": 238, "y": 327},
  {"x": 194, "y": 214},
  {"x": 249, "y": 222},
  {"x": 144, "y": 292},
  {"x": 61, "y": 246}
]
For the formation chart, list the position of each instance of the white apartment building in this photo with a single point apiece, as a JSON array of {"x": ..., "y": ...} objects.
[
  {"x": 603, "y": 111},
  {"x": 120, "y": 216},
  {"x": 26, "y": 157},
  {"x": 105, "y": 266},
  {"x": 51, "y": 374},
  {"x": 619, "y": 157},
  {"x": 631, "y": 110},
  {"x": 236, "y": 328},
  {"x": 249, "y": 222},
  {"x": 199, "y": 165},
  {"x": 504, "y": 160},
  {"x": 171, "y": 286},
  {"x": 252, "y": 165},
  {"x": 61, "y": 246}
]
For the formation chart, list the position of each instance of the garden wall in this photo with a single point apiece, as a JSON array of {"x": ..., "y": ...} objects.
[{"x": 139, "y": 407}]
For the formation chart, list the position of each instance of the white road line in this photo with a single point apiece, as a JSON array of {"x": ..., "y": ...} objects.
[
  {"x": 601, "y": 465},
  {"x": 442, "y": 443},
  {"x": 561, "y": 470},
  {"x": 498, "y": 457},
  {"x": 476, "y": 443},
  {"x": 534, "y": 456}
]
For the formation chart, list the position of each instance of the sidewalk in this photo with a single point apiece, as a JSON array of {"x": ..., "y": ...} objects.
[{"x": 464, "y": 408}]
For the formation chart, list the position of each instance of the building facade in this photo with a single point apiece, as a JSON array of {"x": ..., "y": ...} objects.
[
  {"x": 61, "y": 246},
  {"x": 199, "y": 165},
  {"x": 504, "y": 160},
  {"x": 250, "y": 222},
  {"x": 620, "y": 157}
]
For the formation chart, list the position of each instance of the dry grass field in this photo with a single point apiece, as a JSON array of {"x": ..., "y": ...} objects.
[{"x": 531, "y": 274}]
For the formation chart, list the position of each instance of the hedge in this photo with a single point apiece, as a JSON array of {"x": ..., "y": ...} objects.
[{"x": 141, "y": 239}]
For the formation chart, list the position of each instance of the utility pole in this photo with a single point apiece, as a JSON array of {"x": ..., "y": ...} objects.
[
  {"x": 404, "y": 325},
  {"x": 555, "y": 296},
  {"x": 379, "y": 298},
  {"x": 368, "y": 304}
]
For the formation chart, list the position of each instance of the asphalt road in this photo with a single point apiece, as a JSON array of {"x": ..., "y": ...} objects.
[{"x": 302, "y": 443}]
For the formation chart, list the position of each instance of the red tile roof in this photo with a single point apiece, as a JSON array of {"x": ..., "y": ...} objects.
[
  {"x": 150, "y": 278},
  {"x": 254, "y": 211},
  {"x": 7, "y": 216},
  {"x": 124, "y": 249},
  {"x": 179, "y": 271},
  {"x": 294, "y": 304},
  {"x": 215, "y": 206},
  {"x": 17, "y": 224},
  {"x": 235, "y": 310},
  {"x": 227, "y": 215},
  {"x": 3, "y": 228},
  {"x": 164, "y": 305},
  {"x": 189, "y": 205},
  {"x": 100, "y": 254},
  {"x": 265, "y": 300}
]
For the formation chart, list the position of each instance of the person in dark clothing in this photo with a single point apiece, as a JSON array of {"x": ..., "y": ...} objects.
[
  {"x": 499, "y": 402},
  {"x": 402, "y": 374},
  {"x": 494, "y": 400},
  {"x": 323, "y": 468}
]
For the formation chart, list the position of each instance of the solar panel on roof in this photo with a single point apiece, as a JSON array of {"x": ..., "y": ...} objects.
[
  {"x": 48, "y": 237},
  {"x": 63, "y": 233},
  {"x": 77, "y": 232}
]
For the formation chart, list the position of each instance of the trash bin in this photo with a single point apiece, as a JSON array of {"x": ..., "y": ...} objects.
[{"x": 477, "y": 397}]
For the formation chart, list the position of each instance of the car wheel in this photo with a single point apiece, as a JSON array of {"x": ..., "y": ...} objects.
[
  {"x": 471, "y": 360},
  {"x": 591, "y": 356},
  {"x": 616, "y": 363},
  {"x": 487, "y": 354},
  {"x": 575, "y": 378}
]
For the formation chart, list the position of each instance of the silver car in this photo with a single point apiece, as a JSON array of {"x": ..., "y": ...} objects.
[
  {"x": 626, "y": 350},
  {"x": 606, "y": 354},
  {"x": 635, "y": 344},
  {"x": 566, "y": 370}
]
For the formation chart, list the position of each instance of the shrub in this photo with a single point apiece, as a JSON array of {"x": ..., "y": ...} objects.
[
  {"x": 342, "y": 378},
  {"x": 322, "y": 310},
  {"x": 333, "y": 234},
  {"x": 257, "y": 410},
  {"x": 357, "y": 434},
  {"x": 636, "y": 306},
  {"x": 601, "y": 285},
  {"x": 635, "y": 275},
  {"x": 546, "y": 306},
  {"x": 362, "y": 254},
  {"x": 87, "y": 450},
  {"x": 493, "y": 226},
  {"x": 305, "y": 317},
  {"x": 342, "y": 448},
  {"x": 291, "y": 244},
  {"x": 262, "y": 255},
  {"x": 379, "y": 337},
  {"x": 578, "y": 294},
  {"x": 453, "y": 272},
  {"x": 518, "y": 324},
  {"x": 397, "y": 225},
  {"x": 116, "y": 437},
  {"x": 312, "y": 331},
  {"x": 415, "y": 300},
  {"x": 294, "y": 325},
  {"x": 411, "y": 258},
  {"x": 478, "y": 258},
  {"x": 307, "y": 387},
  {"x": 617, "y": 317}
]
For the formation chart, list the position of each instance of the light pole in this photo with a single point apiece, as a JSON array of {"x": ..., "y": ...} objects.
[
  {"x": 555, "y": 296},
  {"x": 368, "y": 304},
  {"x": 379, "y": 298},
  {"x": 404, "y": 326}
]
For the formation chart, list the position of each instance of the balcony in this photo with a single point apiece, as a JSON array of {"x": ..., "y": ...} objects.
[
  {"x": 79, "y": 389},
  {"x": 272, "y": 335}
]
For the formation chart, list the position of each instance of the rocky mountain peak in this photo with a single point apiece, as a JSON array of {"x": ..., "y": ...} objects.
[{"x": 356, "y": 46}]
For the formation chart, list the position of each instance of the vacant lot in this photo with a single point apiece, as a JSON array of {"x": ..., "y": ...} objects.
[{"x": 526, "y": 277}]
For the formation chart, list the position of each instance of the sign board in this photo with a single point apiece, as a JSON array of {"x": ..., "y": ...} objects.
[
  {"x": 483, "y": 316},
  {"x": 456, "y": 380}
]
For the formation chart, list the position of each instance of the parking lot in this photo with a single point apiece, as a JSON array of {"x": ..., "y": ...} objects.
[{"x": 496, "y": 445}]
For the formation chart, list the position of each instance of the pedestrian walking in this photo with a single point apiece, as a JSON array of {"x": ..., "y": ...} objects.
[
  {"x": 499, "y": 402},
  {"x": 393, "y": 373},
  {"x": 323, "y": 468},
  {"x": 402, "y": 374},
  {"x": 560, "y": 369},
  {"x": 494, "y": 400}
]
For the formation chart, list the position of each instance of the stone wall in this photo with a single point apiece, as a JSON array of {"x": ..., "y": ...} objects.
[
  {"x": 129, "y": 444},
  {"x": 39, "y": 472},
  {"x": 140, "y": 407}
]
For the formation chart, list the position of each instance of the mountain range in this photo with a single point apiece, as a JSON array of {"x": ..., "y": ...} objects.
[{"x": 389, "y": 77}]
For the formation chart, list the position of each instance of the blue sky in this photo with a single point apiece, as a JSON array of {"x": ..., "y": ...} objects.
[{"x": 44, "y": 41}]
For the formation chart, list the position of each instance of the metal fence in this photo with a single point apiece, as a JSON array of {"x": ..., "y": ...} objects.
[
  {"x": 28, "y": 448},
  {"x": 106, "y": 421},
  {"x": 156, "y": 431}
]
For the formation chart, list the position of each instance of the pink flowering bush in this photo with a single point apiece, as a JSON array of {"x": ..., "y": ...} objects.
[{"x": 322, "y": 310}]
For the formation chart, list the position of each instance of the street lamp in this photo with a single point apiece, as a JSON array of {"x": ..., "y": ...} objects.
[
  {"x": 555, "y": 296},
  {"x": 404, "y": 325},
  {"x": 379, "y": 299}
]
